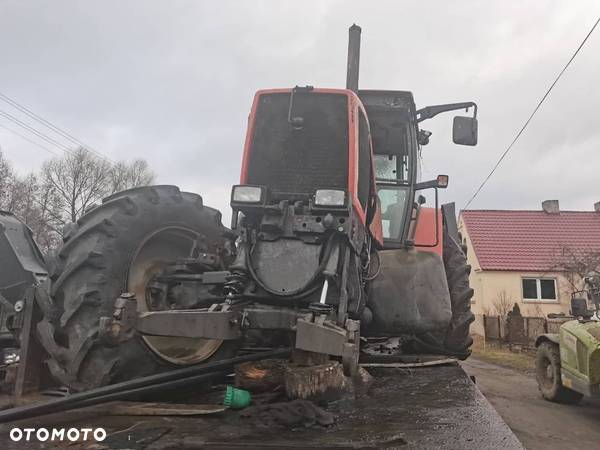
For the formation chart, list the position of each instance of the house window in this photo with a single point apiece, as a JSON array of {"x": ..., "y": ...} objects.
[{"x": 539, "y": 289}]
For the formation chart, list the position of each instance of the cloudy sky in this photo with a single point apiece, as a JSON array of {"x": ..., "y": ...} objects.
[{"x": 172, "y": 82}]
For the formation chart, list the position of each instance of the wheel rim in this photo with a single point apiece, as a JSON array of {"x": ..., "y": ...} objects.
[
  {"x": 546, "y": 373},
  {"x": 151, "y": 257}
]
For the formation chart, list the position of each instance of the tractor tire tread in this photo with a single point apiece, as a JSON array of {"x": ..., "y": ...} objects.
[
  {"x": 458, "y": 339},
  {"x": 89, "y": 274},
  {"x": 557, "y": 392}
]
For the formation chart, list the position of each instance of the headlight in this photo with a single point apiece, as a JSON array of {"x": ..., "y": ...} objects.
[
  {"x": 330, "y": 197},
  {"x": 247, "y": 194}
]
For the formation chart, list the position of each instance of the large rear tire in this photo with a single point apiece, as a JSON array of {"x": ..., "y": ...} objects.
[
  {"x": 94, "y": 266},
  {"x": 458, "y": 339}
]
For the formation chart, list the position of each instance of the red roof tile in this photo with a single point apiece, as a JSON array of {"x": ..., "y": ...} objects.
[{"x": 529, "y": 240}]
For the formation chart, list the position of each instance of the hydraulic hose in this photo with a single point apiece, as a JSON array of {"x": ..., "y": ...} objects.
[{"x": 144, "y": 385}]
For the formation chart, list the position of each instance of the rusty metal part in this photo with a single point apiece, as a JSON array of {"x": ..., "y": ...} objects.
[
  {"x": 139, "y": 386},
  {"x": 271, "y": 318},
  {"x": 325, "y": 338},
  {"x": 119, "y": 327},
  {"x": 218, "y": 322},
  {"x": 222, "y": 325},
  {"x": 169, "y": 243},
  {"x": 30, "y": 354}
]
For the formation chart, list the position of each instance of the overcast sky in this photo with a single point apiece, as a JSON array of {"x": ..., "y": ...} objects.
[{"x": 173, "y": 81}]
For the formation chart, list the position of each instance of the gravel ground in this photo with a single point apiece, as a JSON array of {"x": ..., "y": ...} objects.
[{"x": 538, "y": 424}]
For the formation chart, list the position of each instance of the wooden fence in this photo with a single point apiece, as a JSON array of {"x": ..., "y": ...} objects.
[{"x": 516, "y": 329}]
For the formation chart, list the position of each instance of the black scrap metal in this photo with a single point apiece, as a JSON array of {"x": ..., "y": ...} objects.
[{"x": 139, "y": 386}]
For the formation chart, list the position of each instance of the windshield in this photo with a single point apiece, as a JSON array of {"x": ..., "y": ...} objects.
[{"x": 392, "y": 152}]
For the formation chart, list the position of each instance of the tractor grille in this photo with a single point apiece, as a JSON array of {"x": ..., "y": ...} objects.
[{"x": 300, "y": 161}]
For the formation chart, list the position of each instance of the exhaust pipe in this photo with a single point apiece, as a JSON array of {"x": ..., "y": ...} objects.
[{"x": 353, "y": 58}]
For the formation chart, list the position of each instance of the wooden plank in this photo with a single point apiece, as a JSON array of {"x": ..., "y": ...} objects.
[
  {"x": 437, "y": 362},
  {"x": 160, "y": 409}
]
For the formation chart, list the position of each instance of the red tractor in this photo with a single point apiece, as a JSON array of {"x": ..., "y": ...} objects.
[{"x": 330, "y": 249}]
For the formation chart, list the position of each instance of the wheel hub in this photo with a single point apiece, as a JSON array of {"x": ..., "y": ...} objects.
[
  {"x": 151, "y": 257},
  {"x": 549, "y": 372}
]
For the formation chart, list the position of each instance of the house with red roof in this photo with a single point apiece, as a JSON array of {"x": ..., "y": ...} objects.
[{"x": 532, "y": 258}]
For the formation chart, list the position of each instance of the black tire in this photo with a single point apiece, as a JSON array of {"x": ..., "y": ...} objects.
[
  {"x": 458, "y": 340},
  {"x": 547, "y": 374},
  {"x": 91, "y": 271}
]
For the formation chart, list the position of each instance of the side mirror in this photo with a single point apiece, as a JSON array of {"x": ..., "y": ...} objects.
[{"x": 464, "y": 130}]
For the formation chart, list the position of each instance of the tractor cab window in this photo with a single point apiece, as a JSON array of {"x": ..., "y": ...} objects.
[
  {"x": 392, "y": 152},
  {"x": 391, "y": 167},
  {"x": 393, "y": 201}
]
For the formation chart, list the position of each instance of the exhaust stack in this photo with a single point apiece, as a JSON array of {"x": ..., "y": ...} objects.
[{"x": 353, "y": 58}]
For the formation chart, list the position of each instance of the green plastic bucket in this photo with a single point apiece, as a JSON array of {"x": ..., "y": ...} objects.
[{"x": 236, "y": 398}]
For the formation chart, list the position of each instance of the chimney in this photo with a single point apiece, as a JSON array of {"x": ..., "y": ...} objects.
[
  {"x": 551, "y": 207},
  {"x": 597, "y": 207}
]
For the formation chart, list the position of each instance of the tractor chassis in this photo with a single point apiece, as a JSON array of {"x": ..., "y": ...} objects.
[{"x": 315, "y": 331}]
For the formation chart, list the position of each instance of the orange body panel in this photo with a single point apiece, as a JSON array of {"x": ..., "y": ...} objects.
[
  {"x": 354, "y": 104},
  {"x": 376, "y": 227},
  {"x": 425, "y": 234}
]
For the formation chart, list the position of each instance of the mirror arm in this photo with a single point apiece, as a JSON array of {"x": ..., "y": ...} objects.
[
  {"x": 431, "y": 111},
  {"x": 430, "y": 184}
]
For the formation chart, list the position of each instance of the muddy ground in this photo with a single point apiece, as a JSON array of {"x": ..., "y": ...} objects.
[
  {"x": 537, "y": 423},
  {"x": 421, "y": 408}
]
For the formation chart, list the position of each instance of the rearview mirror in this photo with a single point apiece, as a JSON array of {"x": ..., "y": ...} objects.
[{"x": 464, "y": 130}]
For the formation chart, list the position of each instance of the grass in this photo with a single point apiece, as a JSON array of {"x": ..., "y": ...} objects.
[{"x": 523, "y": 361}]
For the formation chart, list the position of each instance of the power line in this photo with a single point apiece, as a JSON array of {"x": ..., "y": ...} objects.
[
  {"x": 532, "y": 114},
  {"x": 29, "y": 140},
  {"x": 39, "y": 134},
  {"x": 53, "y": 127}
]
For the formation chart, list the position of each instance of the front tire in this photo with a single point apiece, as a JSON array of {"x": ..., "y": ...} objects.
[
  {"x": 94, "y": 266},
  {"x": 547, "y": 374}
]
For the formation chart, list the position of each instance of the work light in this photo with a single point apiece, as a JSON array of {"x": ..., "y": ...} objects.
[
  {"x": 247, "y": 194},
  {"x": 330, "y": 197}
]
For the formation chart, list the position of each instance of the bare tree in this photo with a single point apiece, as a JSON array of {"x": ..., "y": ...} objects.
[
  {"x": 125, "y": 176},
  {"x": 64, "y": 189},
  {"x": 535, "y": 310},
  {"x": 576, "y": 264},
  {"x": 78, "y": 179},
  {"x": 6, "y": 181},
  {"x": 503, "y": 303}
]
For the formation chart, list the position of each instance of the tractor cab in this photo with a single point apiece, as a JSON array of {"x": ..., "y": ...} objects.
[{"x": 394, "y": 136}]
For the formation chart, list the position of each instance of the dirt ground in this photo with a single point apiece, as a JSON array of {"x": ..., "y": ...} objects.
[
  {"x": 537, "y": 423},
  {"x": 494, "y": 353}
]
